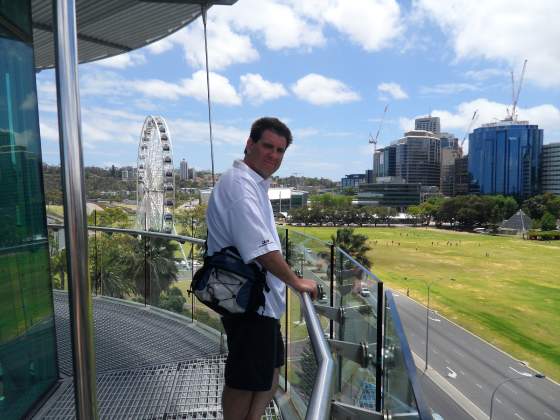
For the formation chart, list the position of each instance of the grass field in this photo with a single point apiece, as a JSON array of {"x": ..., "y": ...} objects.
[{"x": 503, "y": 289}]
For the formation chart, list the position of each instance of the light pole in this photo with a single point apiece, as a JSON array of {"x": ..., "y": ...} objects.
[
  {"x": 428, "y": 285},
  {"x": 524, "y": 376}
]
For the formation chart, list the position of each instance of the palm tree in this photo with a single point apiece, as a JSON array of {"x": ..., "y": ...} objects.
[
  {"x": 157, "y": 255},
  {"x": 354, "y": 244}
]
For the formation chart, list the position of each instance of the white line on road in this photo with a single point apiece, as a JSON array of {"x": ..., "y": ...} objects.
[
  {"x": 520, "y": 373},
  {"x": 459, "y": 353},
  {"x": 451, "y": 373},
  {"x": 518, "y": 416},
  {"x": 395, "y": 295},
  {"x": 435, "y": 319},
  {"x": 461, "y": 372},
  {"x": 548, "y": 415},
  {"x": 478, "y": 386},
  {"x": 498, "y": 400}
]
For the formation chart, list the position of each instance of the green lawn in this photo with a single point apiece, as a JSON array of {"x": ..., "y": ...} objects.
[{"x": 503, "y": 289}]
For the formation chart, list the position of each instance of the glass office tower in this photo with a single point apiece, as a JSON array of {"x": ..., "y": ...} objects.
[
  {"x": 505, "y": 158},
  {"x": 28, "y": 364}
]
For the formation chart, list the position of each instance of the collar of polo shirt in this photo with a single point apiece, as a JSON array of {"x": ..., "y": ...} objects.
[{"x": 239, "y": 164}]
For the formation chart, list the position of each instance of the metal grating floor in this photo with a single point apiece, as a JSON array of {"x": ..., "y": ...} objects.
[
  {"x": 130, "y": 337},
  {"x": 149, "y": 366}
]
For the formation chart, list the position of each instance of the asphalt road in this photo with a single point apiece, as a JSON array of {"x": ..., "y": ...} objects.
[{"x": 475, "y": 368}]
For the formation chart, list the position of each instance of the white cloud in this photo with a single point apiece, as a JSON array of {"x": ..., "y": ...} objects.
[
  {"x": 160, "y": 46},
  {"x": 225, "y": 47},
  {"x": 448, "y": 88},
  {"x": 191, "y": 131},
  {"x": 485, "y": 74},
  {"x": 49, "y": 130},
  {"x": 123, "y": 61},
  {"x": 320, "y": 90},
  {"x": 278, "y": 24},
  {"x": 259, "y": 90},
  {"x": 503, "y": 30},
  {"x": 115, "y": 86},
  {"x": 222, "y": 92},
  {"x": 394, "y": 90},
  {"x": 372, "y": 24},
  {"x": 547, "y": 116}
]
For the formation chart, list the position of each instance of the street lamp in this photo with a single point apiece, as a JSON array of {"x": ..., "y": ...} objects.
[{"x": 524, "y": 376}]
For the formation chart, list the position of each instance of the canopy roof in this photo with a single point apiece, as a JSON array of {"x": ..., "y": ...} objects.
[{"x": 111, "y": 27}]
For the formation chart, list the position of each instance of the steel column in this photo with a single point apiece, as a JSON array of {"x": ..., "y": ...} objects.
[{"x": 75, "y": 218}]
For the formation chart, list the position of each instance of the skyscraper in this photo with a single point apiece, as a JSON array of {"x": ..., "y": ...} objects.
[
  {"x": 505, "y": 158},
  {"x": 418, "y": 158},
  {"x": 450, "y": 151},
  {"x": 550, "y": 174},
  {"x": 184, "y": 170},
  {"x": 428, "y": 123}
]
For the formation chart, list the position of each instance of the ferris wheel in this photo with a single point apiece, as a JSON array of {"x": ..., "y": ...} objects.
[{"x": 155, "y": 179}]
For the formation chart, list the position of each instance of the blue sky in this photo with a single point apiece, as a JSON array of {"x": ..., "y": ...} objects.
[{"x": 327, "y": 68}]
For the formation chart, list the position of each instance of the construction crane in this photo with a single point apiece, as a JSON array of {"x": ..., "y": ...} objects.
[
  {"x": 373, "y": 140},
  {"x": 471, "y": 123},
  {"x": 515, "y": 94}
]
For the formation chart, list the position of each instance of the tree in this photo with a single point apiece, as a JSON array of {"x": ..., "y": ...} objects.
[
  {"x": 354, "y": 244},
  {"x": 548, "y": 222},
  {"x": 536, "y": 206},
  {"x": 158, "y": 256},
  {"x": 173, "y": 300}
]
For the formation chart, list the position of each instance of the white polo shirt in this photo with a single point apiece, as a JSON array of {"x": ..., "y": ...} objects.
[{"x": 240, "y": 214}]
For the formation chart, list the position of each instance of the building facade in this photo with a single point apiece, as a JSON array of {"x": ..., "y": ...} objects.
[
  {"x": 505, "y": 158},
  {"x": 429, "y": 123},
  {"x": 385, "y": 161},
  {"x": 389, "y": 194},
  {"x": 461, "y": 177},
  {"x": 418, "y": 158},
  {"x": 183, "y": 170},
  {"x": 353, "y": 180},
  {"x": 550, "y": 175}
]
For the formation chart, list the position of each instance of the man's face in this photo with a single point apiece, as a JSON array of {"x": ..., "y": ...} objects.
[{"x": 265, "y": 156}]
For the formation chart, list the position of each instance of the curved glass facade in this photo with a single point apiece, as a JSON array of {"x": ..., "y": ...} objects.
[
  {"x": 28, "y": 366},
  {"x": 505, "y": 158}
]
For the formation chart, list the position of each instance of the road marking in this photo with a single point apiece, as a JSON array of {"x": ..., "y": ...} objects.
[
  {"x": 435, "y": 319},
  {"x": 520, "y": 373},
  {"x": 435, "y": 351},
  {"x": 461, "y": 372},
  {"x": 518, "y": 416},
  {"x": 548, "y": 415},
  {"x": 395, "y": 295},
  {"x": 459, "y": 353},
  {"x": 498, "y": 400},
  {"x": 479, "y": 386},
  {"x": 451, "y": 373}
]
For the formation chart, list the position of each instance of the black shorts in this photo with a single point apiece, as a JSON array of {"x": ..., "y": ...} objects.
[{"x": 255, "y": 348}]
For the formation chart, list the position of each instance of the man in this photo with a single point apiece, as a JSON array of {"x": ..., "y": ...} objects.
[{"x": 240, "y": 214}]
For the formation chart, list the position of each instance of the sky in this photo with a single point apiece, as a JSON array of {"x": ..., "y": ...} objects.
[{"x": 327, "y": 68}]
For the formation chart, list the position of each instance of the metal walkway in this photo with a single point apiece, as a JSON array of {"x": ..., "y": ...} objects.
[{"x": 149, "y": 366}]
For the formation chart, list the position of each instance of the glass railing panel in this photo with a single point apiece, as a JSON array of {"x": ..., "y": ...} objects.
[
  {"x": 309, "y": 257},
  {"x": 401, "y": 393},
  {"x": 356, "y": 292}
]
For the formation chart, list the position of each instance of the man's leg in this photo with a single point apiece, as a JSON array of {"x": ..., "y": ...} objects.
[
  {"x": 236, "y": 403},
  {"x": 262, "y": 399}
]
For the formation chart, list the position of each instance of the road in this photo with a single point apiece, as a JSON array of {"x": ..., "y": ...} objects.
[{"x": 475, "y": 368}]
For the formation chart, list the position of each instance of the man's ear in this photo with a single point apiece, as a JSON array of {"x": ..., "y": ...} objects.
[{"x": 249, "y": 145}]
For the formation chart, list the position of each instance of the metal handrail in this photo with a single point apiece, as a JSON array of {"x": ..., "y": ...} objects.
[
  {"x": 319, "y": 407},
  {"x": 149, "y": 234},
  {"x": 424, "y": 413}
]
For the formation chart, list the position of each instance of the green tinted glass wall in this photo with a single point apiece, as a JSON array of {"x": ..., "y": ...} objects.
[{"x": 28, "y": 366}]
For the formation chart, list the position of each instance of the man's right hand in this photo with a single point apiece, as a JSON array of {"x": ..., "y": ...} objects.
[{"x": 306, "y": 286}]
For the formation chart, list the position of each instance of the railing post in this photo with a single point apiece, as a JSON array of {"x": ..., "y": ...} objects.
[
  {"x": 379, "y": 350},
  {"x": 286, "y": 319},
  {"x": 71, "y": 160},
  {"x": 145, "y": 269},
  {"x": 331, "y": 322}
]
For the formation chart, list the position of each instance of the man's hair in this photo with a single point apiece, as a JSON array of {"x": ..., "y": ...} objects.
[{"x": 272, "y": 124}]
